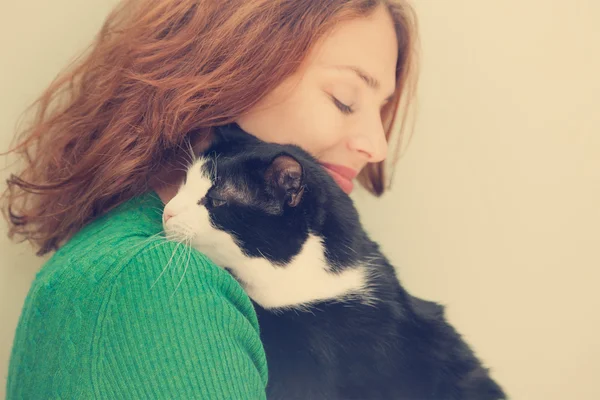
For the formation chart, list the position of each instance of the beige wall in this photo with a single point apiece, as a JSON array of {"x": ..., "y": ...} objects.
[{"x": 495, "y": 208}]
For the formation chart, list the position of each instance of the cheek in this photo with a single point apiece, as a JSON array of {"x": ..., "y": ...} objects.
[
  {"x": 203, "y": 228},
  {"x": 318, "y": 125},
  {"x": 216, "y": 244},
  {"x": 205, "y": 232},
  {"x": 305, "y": 117}
]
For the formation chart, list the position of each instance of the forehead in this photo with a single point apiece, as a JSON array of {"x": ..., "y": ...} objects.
[
  {"x": 369, "y": 43},
  {"x": 225, "y": 166},
  {"x": 231, "y": 178}
]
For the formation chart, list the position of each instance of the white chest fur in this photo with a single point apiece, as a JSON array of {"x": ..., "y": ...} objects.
[{"x": 305, "y": 279}]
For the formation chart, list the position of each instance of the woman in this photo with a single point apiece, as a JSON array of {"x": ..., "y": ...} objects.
[{"x": 110, "y": 315}]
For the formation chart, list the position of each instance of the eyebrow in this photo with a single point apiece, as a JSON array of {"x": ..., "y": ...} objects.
[{"x": 368, "y": 79}]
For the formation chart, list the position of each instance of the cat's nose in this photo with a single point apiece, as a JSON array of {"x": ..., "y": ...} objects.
[{"x": 167, "y": 215}]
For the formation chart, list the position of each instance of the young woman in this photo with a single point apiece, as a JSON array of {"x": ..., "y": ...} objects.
[{"x": 109, "y": 315}]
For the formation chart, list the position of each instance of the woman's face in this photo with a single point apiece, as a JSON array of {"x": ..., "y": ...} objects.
[{"x": 332, "y": 106}]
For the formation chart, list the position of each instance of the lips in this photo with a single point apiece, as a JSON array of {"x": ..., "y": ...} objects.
[{"x": 343, "y": 176}]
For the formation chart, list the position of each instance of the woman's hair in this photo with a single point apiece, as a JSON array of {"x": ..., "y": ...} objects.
[{"x": 158, "y": 72}]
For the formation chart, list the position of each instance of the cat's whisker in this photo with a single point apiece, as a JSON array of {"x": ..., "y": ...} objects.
[
  {"x": 166, "y": 266},
  {"x": 216, "y": 161},
  {"x": 184, "y": 270},
  {"x": 158, "y": 209},
  {"x": 183, "y": 234},
  {"x": 263, "y": 254},
  {"x": 157, "y": 245},
  {"x": 145, "y": 242},
  {"x": 189, "y": 152},
  {"x": 350, "y": 248},
  {"x": 183, "y": 165},
  {"x": 180, "y": 232},
  {"x": 181, "y": 256},
  {"x": 192, "y": 153},
  {"x": 183, "y": 169}
]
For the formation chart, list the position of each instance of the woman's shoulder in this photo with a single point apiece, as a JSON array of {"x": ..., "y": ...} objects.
[
  {"x": 129, "y": 241},
  {"x": 122, "y": 263},
  {"x": 109, "y": 241}
]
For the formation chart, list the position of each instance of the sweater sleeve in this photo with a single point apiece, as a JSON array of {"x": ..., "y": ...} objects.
[{"x": 175, "y": 326}]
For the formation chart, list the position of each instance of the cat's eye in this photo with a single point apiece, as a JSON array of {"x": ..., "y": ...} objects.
[
  {"x": 217, "y": 202},
  {"x": 211, "y": 202}
]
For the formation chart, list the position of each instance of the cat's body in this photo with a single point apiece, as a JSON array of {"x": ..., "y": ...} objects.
[{"x": 335, "y": 321}]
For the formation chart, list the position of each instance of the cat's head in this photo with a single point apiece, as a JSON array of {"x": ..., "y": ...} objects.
[
  {"x": 264, "y": 196},
  {"x": 245, "y": 202}
]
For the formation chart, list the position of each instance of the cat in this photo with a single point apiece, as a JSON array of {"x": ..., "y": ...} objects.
[{"x": 334, "y": 320}]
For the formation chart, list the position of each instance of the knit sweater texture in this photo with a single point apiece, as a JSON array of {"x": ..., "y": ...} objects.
[{"x": 119, "y": 312}]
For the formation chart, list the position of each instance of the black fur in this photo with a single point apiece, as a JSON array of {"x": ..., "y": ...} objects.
[{"x": 399, "y": 347}]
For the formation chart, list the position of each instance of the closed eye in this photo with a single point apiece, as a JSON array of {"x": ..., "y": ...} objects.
[
  {"x": 211, "y": 202},
  {"x": 217, "y": 202},
  {"x": 346, "y": 109}
]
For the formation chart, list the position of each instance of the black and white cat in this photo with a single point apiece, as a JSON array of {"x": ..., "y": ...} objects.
[{"x": 335, "y": 321}]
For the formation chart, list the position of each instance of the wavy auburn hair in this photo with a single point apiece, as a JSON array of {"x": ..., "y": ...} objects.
[{"x": 158, "y": 72}]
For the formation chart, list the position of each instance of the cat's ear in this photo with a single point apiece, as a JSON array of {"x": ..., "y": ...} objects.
[{"x": 286, "y": 176}]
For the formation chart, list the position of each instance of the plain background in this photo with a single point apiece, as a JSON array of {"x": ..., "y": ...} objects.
[{"x": 495, "y": 206}]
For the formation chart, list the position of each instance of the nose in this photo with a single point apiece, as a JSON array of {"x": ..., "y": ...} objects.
[
  {"x": 167, "y": 215},
  {"x": 370, "y": 142}
]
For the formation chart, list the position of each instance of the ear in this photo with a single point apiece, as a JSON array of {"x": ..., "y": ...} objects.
[{"x": 286, "y": 176}]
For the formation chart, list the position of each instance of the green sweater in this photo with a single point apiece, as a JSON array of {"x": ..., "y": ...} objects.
[{"x": 120, "y": 313}]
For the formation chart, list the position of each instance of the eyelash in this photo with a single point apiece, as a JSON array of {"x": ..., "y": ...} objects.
[{"x": 342, "y": 107}]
